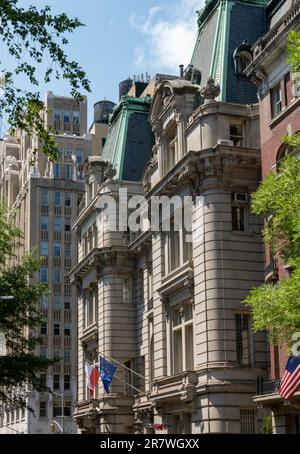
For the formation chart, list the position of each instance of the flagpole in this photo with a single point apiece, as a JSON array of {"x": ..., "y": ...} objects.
[
  {"x": 124, "y": 367},
  {"x": 128, "y": 384}
]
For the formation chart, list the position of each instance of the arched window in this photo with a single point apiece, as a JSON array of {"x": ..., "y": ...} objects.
[
  {"x": 285, "y": 149},
  {"x": 242, "y": 57}
]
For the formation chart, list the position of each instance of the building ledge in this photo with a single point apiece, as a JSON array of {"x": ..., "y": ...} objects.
[
  {"x": 284, "y": 113},
  {"x": 275, "y": 399}
]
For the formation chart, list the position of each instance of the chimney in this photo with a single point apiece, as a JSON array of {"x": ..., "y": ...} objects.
[{"x": 181, "y": 70}]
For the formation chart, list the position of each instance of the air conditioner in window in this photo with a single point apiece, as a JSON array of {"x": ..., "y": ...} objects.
[
  {"x": 240, "y": 197},
  {"x": 227, "y": 143}
]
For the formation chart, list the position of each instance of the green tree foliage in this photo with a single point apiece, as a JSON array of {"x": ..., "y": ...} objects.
[
  {"x": 267, "y": 428},
  {"x": 35, "y": 37},
  {"x": 276, "y": 308},
  {"x": 19, "y": 318}
]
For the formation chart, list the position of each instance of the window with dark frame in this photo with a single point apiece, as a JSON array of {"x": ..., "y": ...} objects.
[
  {"x": 56, "y": 329},
  {"x": 43, "y": 328},
  {"x": 276, "y": 101},
  {"x": 67, "y": 382},
  {"x": 67, "y": 199},
  {"x": 242, "y": 327},
  {"x": 67, "y": 330},
  {"x": 238, "y": 218},
  {"x": 236, "y": 134},
  {"x": 43, "y": 409},
  {"x": 56, "y": 382},
  {"x": 247, "y": 417}
]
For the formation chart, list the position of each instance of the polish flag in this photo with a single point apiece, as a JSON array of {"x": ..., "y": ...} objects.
[{"x": 92, "y": 377}]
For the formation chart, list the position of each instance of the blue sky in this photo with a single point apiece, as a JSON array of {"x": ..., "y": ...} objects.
[{"x": 125, "y": 37}]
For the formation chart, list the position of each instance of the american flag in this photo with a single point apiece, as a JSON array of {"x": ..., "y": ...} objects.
[{"x": 291, "y": 379}]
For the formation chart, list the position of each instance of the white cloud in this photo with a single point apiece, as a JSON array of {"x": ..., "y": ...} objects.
[
  {"x": 139, "y": 56},
  {"x": 170, "y": 39}
]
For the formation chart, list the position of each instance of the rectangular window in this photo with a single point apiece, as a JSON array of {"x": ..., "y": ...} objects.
[
  {"x": 57, "y": 303},
  {"x": 89, "y": 307},
  {"x": 236, "y": 134},
  {"x": 127, "y": 290},
  {"x": 67, "y": 224},
  {"x": 44, "y": 302},
  {"x": 44, "y": 275},
  {"x": 296, "y": 80},
  {"x": 43, "y": 409},
  {"x": 276, "y": 100},
  {"x": 57, "y": 199},
  {"x": 56, "y": 329},
  {"x": 67, "y": 330},
  {"x": 43, "y": 352},
  {"x": 44, "y": 329},
  {"x": 56, "y": 276},
  {"x": 67, "y": 199},
  {"x": 67, "y": 250},
  {"x": 67, "y": 305},
  {"x": 67, "y": 382},
  {"x": 68, "y": 171},
  {"x": 79, "y": 157},
  {"x": 178, "y": 354},
  {"x": 238, "y": 214},
  {"x": 57, "y": 114},
  {"x": 67, "y": 409},
  {"x": 182, "y": 338},
  {"x": 56, "y": 381},
  {"x": 56, "y": 170},
  {"x": 128, "y": 378},
  {"x": 67, "y": 356},
  {"x": 174, "y": 245},
  {"x": 57, "y": 224},
  {"x": 45, "y": 198},
  {"x": 56, "y": 354},
  {"x": 69, "y": 153},
  {"x": 56, "y": 409},
  {"x": 57, "y": 249},
  {"x": 247, "y": 421},
  {"x": 60, "y": 153},
  {"x": 76, "y": 117},
  {"x": 44, "y": 223},
  {"x": 44, "y": 248},
  {"x": 66, "y": 116},
  {"x": 242, "y": 328}
]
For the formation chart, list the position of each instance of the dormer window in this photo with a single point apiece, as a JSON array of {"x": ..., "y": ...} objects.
[{"x": 242, "y": 57}]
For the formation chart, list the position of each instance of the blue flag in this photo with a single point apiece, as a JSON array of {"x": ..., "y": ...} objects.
[{"x": 107, "y": 372}]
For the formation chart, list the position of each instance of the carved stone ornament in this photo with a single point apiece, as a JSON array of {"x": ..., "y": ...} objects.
[
  {"x": 166, "y": 94},
  {"x": 259, "y": 78},
  {"x": 211, "y": 91},
  {"x": 110, "y": 172}
]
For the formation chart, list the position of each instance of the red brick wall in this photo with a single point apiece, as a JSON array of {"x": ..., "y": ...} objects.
[
  {"x": 271, "y": 141},
  {"x": 271, "y": 136}
]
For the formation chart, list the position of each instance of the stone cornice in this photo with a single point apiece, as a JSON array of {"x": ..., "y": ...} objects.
[
  {"x": 212, "y": 165},
  {"x": 100, "y": 258}
]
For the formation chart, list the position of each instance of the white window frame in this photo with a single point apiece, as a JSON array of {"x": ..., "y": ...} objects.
[{"x": 180, "y": 327}]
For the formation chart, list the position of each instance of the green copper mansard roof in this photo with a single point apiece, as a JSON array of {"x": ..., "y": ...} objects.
[
  {"x": 130, "y": 139},
  {"x": 223, "y": 26}
]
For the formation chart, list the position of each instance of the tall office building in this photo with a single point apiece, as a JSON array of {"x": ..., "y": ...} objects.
[{"x": 43, "y": 197}]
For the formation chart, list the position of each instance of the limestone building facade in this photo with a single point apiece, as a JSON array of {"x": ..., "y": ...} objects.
[{"x": 170, "y": 309}]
